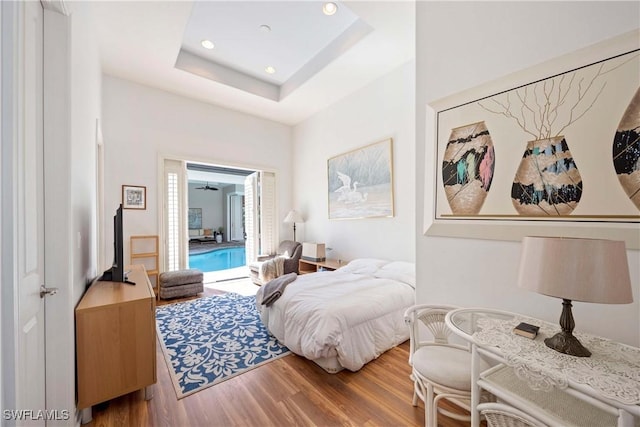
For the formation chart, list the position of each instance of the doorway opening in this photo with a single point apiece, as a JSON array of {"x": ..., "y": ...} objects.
[{"x": 216, "y": 218}]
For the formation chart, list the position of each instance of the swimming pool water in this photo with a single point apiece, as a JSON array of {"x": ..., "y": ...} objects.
[{"x": 218, "y": 259}]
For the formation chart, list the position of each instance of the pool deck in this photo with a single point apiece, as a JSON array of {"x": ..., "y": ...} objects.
[
  {"x": 221, "y": 276},
  {"x": 206, "y": 246}
]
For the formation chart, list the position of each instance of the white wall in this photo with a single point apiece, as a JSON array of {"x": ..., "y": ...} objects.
[
  {"x": 383, "y": 109},
  {"x": 86, "y": 78},
  {"x": 72, "y": 107},
  {"x": 461, "y": 45},
  {"x": 140, "y": 123},
  {"x": 211, "y": 203}
]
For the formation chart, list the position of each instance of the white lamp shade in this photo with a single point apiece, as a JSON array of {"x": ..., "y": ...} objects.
[
  {"x": 313, "y": 251},
  {"x": 588, "y": 270},
  {"x": 293, "y": 216}
]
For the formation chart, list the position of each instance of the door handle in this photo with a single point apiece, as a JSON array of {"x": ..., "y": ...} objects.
[{"x": 47, "y": 291}]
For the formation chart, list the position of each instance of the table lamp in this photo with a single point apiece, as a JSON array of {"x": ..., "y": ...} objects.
[
  {"x": 292, "y": 217},
  {"x": 575, "y": 269}
]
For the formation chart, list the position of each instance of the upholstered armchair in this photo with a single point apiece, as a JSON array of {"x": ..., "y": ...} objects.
[{"x": 288, "y": 249}]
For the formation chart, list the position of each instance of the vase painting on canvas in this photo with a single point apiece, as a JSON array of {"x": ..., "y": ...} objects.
[
  {"x": 542, "y": 149},
  {"x": 626, "y": 150},
  {"x": 467, "y": 168}
]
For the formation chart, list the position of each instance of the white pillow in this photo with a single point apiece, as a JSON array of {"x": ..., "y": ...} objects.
[
  {"x": 401, "y": 271},
  {"x": 401, "y": 267},
  {"x": 364, "y": 265}
]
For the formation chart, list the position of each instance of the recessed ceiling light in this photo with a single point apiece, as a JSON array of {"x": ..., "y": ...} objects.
[
  {"x": 207, "y": 44},
  {"x": 270, "y": 69},
  {"x": 329, "y": 8},
  {"x": 265, "y": 28}
]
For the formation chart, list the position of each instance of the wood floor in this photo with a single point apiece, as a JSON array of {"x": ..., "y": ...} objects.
[{"x": 290, "y": 391}]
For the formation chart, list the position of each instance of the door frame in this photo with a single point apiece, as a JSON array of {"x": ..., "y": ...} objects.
[
  {"x": 58, "y": 227},
  {"x": 2, "y": 120},
  {"x": 9, "y": 37}
]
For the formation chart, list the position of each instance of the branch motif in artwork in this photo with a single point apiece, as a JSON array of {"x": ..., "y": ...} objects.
[{"x": 545, "y": 109}]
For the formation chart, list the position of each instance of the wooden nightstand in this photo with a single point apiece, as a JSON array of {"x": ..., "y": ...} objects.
[{"x": 305, "y": 266}]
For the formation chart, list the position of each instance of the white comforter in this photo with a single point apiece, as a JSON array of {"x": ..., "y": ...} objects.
[{"x": 353, "y": 313}]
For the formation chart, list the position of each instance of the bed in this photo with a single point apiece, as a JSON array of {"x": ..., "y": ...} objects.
[{"x": 345, "y": 318}]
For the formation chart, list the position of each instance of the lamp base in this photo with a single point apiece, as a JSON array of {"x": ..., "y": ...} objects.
[{"x": 565, "y": 342}]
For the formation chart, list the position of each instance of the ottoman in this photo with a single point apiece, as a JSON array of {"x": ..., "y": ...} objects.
[{"x": 180, "y": 283}]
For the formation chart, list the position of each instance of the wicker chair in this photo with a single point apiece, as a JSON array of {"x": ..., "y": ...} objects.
[{"x": 440, "y": 370}]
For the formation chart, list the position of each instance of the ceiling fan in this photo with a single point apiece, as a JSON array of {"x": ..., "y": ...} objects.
[{"x": 207, "y": 187}]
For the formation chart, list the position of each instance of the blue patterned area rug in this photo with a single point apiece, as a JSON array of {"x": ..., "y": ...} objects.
[{"x": 211, "y": 339}]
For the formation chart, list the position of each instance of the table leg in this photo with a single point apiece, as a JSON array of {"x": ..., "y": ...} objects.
[
  {"x": 148, "y": 392},
  {"x": 86, "y": 415},
  {"x": 625, "y": 419},
  {"x": 475, "y": 390}
]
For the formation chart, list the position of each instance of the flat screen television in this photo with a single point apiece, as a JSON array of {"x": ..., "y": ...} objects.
[{"x": 116, "y": 273}]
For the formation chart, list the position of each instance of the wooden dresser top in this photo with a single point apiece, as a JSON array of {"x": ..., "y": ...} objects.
[{"x": 102, "y": 293}]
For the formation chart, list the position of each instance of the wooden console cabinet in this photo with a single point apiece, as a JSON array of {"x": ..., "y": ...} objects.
[
  {"x": 306, "y": 266},
  {"x": 115, "y": 340}
]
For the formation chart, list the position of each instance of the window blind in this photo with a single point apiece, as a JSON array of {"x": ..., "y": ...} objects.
[
  {"x": 268, "y": 226},
  {"x": 175, "y": 227},
  {"x": 251, "y": 217},
  {"x": 173, "y": 223}
]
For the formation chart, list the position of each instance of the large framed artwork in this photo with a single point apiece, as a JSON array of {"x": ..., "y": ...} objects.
[
  {"x": 360, "y": 182},
  {"x": 552, "y": 150}
]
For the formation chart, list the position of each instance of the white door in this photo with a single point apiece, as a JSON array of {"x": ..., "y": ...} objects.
[
  {"x": 260, "y": 217},
  {"x": 29, "y": 217},
  {"x": 268, "y": 225},
  {"x": 236, "y": 221},
  {"x": 251, "y": 220}
]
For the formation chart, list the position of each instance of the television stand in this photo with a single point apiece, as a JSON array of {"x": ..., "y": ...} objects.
[
  {"x": 115, "y": 341},
  {"x": 126, "y": 278},
  {"x": 107, "y": 276}
]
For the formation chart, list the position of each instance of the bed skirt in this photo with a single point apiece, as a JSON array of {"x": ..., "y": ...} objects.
[{"x": 329, "y": 364}]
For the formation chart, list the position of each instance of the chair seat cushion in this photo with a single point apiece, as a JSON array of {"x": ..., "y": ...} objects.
[
  {"x": 255, "y": 265},
  {"x": 444, "y": 365},
  {"x": 180, "y": 277}
]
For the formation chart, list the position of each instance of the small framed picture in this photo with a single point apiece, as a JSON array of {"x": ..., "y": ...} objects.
[{"x": 134, "y": 197}]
